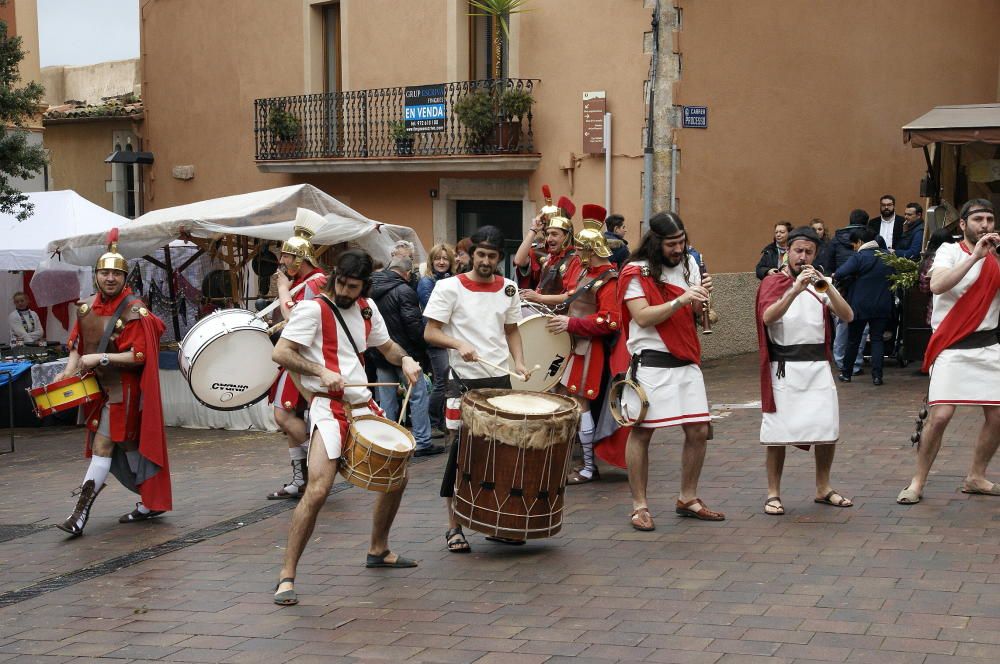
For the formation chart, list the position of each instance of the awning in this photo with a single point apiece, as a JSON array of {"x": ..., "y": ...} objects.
[{"x": 955, "y": 125}]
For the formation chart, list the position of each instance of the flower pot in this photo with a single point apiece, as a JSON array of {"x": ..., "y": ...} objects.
[
  {"x": 286, "y": 148},
  {"x": 404, "y": 147},
  {"x": 507, "y": 136}
]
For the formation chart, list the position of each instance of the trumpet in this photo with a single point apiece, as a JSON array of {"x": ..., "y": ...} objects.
[
  {"x": 818, "y": 282},
  {"x": 706, "y": 307}
]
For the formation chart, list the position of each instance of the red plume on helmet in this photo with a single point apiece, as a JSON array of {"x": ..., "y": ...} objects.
[
  {"x": 112, "y": 260},
  {"x": 547, "y": 194},
  {"x": 592, "y": 211},
  {"x": 567, "y": 206}
]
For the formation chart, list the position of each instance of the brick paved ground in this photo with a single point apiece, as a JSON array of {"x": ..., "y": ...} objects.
[{"x": 876, "y": 583}]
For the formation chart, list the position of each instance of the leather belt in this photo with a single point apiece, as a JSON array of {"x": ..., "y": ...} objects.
[
  {"x": 795, "y": 353},
  {"x": 658, "y": 360},
  {"x": 980, "y": 339}
]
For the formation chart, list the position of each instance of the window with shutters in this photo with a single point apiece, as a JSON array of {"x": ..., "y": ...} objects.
[{"x": 482, "y": 47}]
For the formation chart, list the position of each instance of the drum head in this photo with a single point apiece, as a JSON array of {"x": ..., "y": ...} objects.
[
  {"x": 524, "y": 404},
  {"x": 233, "y": 370},
  {"x": 383, "y": 433},
  {"x": 549, "y": 351}
]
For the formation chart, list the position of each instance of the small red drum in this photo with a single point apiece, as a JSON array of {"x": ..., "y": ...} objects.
[
  {"x": 65, "y": 394},
  {"x": 513, "y": 456},
  {"x": 376, "y": 454}
]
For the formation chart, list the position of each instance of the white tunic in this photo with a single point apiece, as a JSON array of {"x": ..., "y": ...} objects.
[
  {"x": 964, "y": 376},
  {"x": 806, "y": 397},
  {"x": 675, "y": 395}
]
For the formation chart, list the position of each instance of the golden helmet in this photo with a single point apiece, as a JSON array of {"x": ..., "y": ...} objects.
[
  {"x": 591, "y": 238},
  {"x": 111, "y": 259},
  {"x": 299, "y": 245},
  {"x": 563, "y": 218}
]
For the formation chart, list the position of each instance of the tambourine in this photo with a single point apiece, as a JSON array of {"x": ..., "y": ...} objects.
[{"x": 620, "y": 410}]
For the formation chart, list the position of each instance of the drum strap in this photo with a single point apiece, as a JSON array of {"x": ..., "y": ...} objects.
[
  {"x": 604, "y": 276},
  {"x": 110, "y": 329},
  {"x": 340, "y": 321}
]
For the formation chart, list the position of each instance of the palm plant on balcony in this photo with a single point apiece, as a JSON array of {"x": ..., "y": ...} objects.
[
  {"x": 499, "y": 11},
  {"x": 402, "y": 137}
]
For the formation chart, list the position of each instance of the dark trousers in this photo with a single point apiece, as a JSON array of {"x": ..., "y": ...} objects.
[
  {"x": 856, "y": 328},
  {"x": 439, "y": 372}
]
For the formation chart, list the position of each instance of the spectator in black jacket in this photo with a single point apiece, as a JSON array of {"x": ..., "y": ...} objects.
[
  {"x": 841, "y": 249},
  {"x": 822, "y": 254},
  {"x": 615, "y": 238},
  {"x": 772, "y": 255},
  {"x": 911, "y": 240},
  {"x": 399, "y": 306}
]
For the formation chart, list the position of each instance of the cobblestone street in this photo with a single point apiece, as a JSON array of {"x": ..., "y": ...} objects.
[{"x": 879, "y": 582}]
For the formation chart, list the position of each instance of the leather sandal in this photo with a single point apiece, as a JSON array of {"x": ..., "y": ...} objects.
[
  {"x": 576, "y": 477},
  {"x": 774, "y": 503},
  {"x": 285, "y": 597},
  {"x": 456, "y": 542},
  {"x": 643, "y": 520},
  {"x": 379, "y": 560},
  {"x": 136, "y": 515},
  {"x": 704, "y": 514},
  {"x": 282, "y": 494}
]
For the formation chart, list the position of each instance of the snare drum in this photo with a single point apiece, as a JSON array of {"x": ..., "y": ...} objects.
[
  {"x": 376, "y": 454},
  {"x": 549, "y": 351},
  {"x": 513, "y": 457},
  {"x": 65, "y": 394},
  {"x": 226, "y": 359}
]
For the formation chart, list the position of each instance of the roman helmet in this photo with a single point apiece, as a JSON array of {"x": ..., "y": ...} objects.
[
  {"x": 591, "y": 237},
  {"x": 299, "y": 245},
  {"x": 111, "y": 259},
  {"x": 562, "y": 219}
]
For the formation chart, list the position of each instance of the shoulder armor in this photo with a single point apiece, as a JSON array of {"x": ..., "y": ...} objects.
[
  {"x": 644, "y": 270},
  {"x": 82, "y": 310},
  {"x": 543, "y": 260},
  {"x": 562, "y": 268}
]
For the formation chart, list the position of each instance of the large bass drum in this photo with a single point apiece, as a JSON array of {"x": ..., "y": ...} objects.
[
  {"x": 550, "y": 352},
  {"x": 226, "y": 359}
]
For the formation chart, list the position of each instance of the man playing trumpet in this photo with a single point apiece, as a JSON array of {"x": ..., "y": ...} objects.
[{"x": 798, "y": 393}]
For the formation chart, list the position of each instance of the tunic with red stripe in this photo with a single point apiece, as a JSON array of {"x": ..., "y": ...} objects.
[
  {"x": 593, "y": 315},
  {"x": 283, "y": 393}
]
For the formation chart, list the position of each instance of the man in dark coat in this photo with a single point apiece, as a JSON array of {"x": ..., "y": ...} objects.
[
  {"x": 911, "y": 241},
  {"x": 614, "y": 236},
  {"x": 888, "y": 224},
  {"x": 870, "y": 299},
  {"x": 400, "y": 307},
  {"x": 841, "y": 248}
]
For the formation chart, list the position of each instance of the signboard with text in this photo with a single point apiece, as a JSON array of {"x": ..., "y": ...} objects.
[
  {"x": 595, "y": 105},
  {"x": 695, "y": 117},
  {"x": 424, "y": 108}
]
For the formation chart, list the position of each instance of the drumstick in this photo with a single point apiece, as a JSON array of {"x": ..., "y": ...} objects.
[
  {"x": 370, "y": 384},
  {"x": 512, "y": 374},
  {"x": 276, "y": 327},
  {"x": 406, "y": 400}
]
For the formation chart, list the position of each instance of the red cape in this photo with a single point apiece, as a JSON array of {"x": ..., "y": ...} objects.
[
  {"x": 679, "y": 328},
  {"x": 968, "y": 312},
  {"x": 612, "y": 448}
]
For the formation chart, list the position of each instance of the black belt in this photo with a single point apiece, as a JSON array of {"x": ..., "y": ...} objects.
[
  {"x": 795, "y": 353},
  {"x": 980, "y": 339},
  {"x": 658, "y": 360}
]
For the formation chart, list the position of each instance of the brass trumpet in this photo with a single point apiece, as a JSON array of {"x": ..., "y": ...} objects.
[
  {"x": 819, "y": 282},
  {"x": 706, "y": 307}
]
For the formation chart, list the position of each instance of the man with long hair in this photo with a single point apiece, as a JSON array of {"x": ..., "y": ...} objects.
[
  {"x": 323, "y": 344},
  {"x": 963, "y": 354},
  {"x": 661, "y": 291}
]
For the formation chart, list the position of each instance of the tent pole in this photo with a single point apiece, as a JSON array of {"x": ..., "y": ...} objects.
[{"x": 172, "y": 291}]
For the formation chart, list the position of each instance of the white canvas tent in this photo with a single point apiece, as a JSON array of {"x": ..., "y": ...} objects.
[{"x": 264, "y": 214}]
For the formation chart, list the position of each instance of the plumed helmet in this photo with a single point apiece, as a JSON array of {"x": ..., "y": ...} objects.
[
  {"x": 591, "y": 237},
  {"x": 111, "y": 259},
  {"x": 549, "y": 209},
  {"x": 563, "y": 218},
  {"x": 299, "y": 245}
]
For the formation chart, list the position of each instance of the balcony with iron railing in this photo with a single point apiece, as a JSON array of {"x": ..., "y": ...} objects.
[{"x": 462, "y": 126}]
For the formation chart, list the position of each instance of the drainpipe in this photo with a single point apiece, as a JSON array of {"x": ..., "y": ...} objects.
[
  {"x": 607, "y": 162},
  {"x": 647, "y": 156},
  {"x": 673, "y": 177}
]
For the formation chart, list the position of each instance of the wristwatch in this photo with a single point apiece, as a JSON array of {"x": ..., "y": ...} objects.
[{"x": 105, "y": 360}]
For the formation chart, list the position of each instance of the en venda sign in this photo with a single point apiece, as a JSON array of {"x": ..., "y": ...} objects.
[{"x": 424, "y": 108}]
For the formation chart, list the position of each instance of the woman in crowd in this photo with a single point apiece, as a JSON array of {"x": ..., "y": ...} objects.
[
  {"x": 440, "y": 265},
  {"x": 463, "y": 261},
  {"x": 772, "y": 255}
]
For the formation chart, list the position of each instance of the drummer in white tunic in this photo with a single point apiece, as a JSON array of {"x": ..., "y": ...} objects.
[
  {"x": 963, "y": 355},
  {"x": 661, "y": 289},
  {"x": 798, "y": 394}
]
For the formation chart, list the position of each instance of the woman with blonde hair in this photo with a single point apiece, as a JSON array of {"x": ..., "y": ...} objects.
[{"x": 440, "y": 265}]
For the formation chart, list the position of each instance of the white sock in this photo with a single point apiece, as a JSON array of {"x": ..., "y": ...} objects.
[
  {"x": 142, "y": 508},
  {"x": 98, "y": 471},
  {"x": 297, "y": 453},
  {"x": 586, "y": 427}
]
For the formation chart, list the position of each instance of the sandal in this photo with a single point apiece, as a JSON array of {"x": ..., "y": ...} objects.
[
  {"x": 642, "y": 520},
  {"x": 136, "y": 515},
  {"x": 773, "y": 506},
  {"x": 284, "y": 494},
  {"x": 456, "y": 542},
  {"x": 576, "y": 477},
  {"x": 908, "y": 497},
  {"x": 705, "y": 514},
  {"x": 828, "y": 500},
  {"x": 994, "y": 489},
  {"x": 285, "y": 597},
  {"x": 379, "y": 560}
]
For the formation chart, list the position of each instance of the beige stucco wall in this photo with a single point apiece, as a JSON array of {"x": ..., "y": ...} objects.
[
  {"x": 89, "y": 83},
  {"x": 26, "y": 26},
  {"x": 77, "y": 151},
  {"x": 806, "y": 101}
]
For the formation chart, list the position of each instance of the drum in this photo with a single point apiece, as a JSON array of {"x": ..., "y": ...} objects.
[
  {"x": 226, "y": 359},
  {"x": 549, "y": 351},
  {"x": 513, "y": 456},
  {"x": 376, "y": 454},
  {"x": 65, "y": 394}
]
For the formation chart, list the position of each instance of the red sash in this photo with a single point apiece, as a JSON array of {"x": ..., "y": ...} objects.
[
  {"x": 679, "y": 328},
  {"x": 331, "y": 339},
  {"x": 968, "y": 312},
  {"x": 318, "y": 278}
]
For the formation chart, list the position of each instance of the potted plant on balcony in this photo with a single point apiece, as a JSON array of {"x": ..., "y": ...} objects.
[
  {"x": 477, "y": 111},
  {"x": 512, "y": 105},
  {"x": 284, "y": 128},
  {"x": 403, "y": 138}
]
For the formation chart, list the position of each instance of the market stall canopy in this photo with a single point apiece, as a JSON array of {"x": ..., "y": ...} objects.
[
  {"x": 56, "y": 214},
  {"x": 267, "y": 215},
  {"x": 955, "y": 125}
]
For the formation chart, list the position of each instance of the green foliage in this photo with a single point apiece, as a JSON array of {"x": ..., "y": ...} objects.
[
  {"x": 18, "y": 159},
  {"x": 283, "y": 124},
  {"x": 905, "y": 271},
  {"x": 514, "y": 104},
  {"x": 476, "y": 111},
  {"x": 397, "y": 129},
  {"x": 500, "y": 9}
]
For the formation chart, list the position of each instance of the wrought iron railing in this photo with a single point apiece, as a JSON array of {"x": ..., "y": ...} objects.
[{"x": 468, "y": 117}]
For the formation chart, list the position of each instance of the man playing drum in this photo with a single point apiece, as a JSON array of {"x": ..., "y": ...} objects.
[
  {"x": 298, "y": 266},
  {"x": 119, "y": 339},
  {"x": 660, "y": 287},
  {"x": 963, "y": 354},
  {"x": 798, "y": 394},
  {"x": 593, "y": 316},
  {"x": 558, "y": 265},
  {"x": 474, "y": 315},
  {"x": 323, "y": 344}
]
